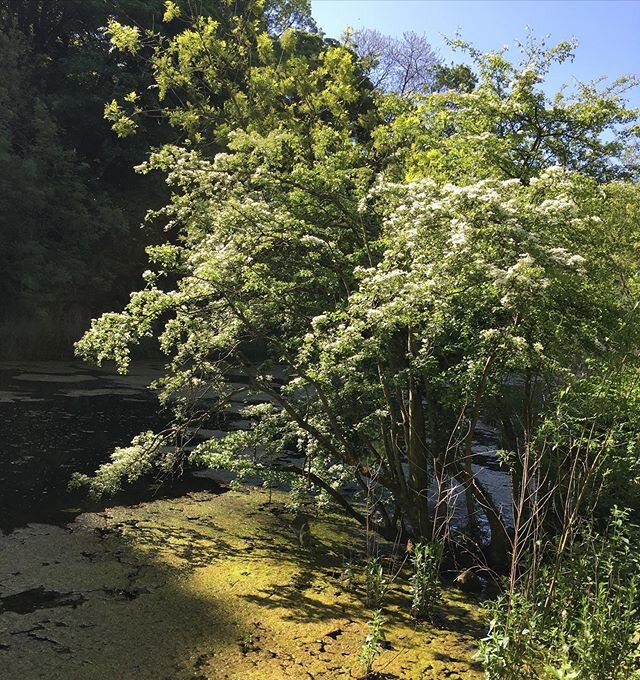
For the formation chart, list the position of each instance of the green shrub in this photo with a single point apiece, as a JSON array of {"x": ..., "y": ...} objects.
[
  {"x": 372, "y": 645},
  {"x": 376, "y": 582},
  {"x": 577, "y": 618},
  {"x": 425, "y": 586}
]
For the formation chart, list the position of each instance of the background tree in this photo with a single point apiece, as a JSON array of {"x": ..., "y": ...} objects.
[
  {"x": 52, "y": 223},
  {"x": 70, "y": 238},
  {"x": 454, "y": 77},
  {"x": 404, "y": 65},
  {"x": 73, "y": 199}
]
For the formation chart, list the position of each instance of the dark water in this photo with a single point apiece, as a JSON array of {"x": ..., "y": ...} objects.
[{"x": 57, "y": 418}]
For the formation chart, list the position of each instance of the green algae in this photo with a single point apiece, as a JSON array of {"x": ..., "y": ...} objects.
[{"x": 207, "y": 587}]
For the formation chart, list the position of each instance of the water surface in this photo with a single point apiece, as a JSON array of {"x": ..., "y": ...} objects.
[{"x": 57, "y": 418}]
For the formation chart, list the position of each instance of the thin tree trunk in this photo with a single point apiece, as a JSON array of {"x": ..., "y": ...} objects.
[
  {"x": 500, "y": 545},
  {"x": 468, "y": 442},
  {"x": 419, "y": 477}
]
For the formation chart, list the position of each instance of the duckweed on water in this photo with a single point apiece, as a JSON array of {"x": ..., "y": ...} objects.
[{"x": 208, "y": 587}]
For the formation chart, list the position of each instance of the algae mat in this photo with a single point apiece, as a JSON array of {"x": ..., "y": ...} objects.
[{"x": 207, "y": 587}]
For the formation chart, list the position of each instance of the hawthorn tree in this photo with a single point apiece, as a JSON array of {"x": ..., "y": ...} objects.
[
  {"x": 508, "y": 126},
  {"x": 398, "y": 265}
]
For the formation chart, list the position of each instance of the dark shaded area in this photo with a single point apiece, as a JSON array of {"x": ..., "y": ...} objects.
[
  {"x": 46, "y": 436},
  {"x": 70, "y": 201},
  {"x": 30, "y": 600},
  {"x": 68, "y": 640}
]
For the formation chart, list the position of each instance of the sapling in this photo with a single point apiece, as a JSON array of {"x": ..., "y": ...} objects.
[
  {"x": 376, "y": 582},
  {"x": 373, "y": 642},
  {"x": 347, "y": 577},
  {"x": 425, "y": 587}
]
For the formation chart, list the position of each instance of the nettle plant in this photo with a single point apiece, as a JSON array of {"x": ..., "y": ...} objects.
[{"x": 393, "y": 311}]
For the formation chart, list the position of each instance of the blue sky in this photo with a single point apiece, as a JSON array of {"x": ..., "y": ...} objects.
[{"x": 608, "y": 31}]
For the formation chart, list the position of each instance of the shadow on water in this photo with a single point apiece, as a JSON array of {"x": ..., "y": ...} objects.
[
  {"x": 306, "y": 572},
  {"x": 81, "y": 604}
]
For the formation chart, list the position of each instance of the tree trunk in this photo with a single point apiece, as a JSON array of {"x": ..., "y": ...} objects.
[
  {"x": 500, "y": 544},
  {"x": 419, "y": 476}
]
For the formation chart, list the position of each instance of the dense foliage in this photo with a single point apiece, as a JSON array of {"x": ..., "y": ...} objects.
[
  {"x": 70, "y": 199},
  {"x": 70, "y": 242},
  {"x": 409, "y": 264},
  {"x": 574, "y": 617}
]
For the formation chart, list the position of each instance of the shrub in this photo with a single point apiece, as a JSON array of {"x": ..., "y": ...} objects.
[
  {"x": 425, "y": 587},
  {"x": 376, "y": 582},
  {"x": 372, "y": 645},
  {"x": 577, "y": 618}
]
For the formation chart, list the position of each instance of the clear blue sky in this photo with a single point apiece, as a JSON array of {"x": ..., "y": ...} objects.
[{"x": 608, "y": 31}]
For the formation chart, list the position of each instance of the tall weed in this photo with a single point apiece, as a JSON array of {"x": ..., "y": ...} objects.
[
  {"x": 578, "y": 618},
  {"x": 425, "y": 585}
]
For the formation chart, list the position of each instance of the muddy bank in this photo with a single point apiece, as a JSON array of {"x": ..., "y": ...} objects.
[{"x": 207, "y": 587}]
